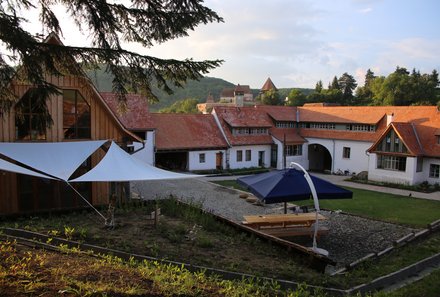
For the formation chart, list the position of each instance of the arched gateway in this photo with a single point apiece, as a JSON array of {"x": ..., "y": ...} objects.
[{"x": 320, "y": 158}]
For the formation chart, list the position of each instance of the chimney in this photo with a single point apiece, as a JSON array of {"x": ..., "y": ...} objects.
[
  {"x": 390, "y": 118},
  {"x": 297, "y": 115}
]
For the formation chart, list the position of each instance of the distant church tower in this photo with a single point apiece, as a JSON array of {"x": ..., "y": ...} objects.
[{"x": 268, "y": 85}]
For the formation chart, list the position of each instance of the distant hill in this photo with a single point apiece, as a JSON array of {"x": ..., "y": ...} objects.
[
  {"x": 198, "y": 90},
  {"x": 194, "y": 89}
]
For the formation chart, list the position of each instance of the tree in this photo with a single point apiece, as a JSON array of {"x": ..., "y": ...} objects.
[
  {"x": 271, "y": 97},
  {"x": 347, "y": 84},
  {"x": 188, "y": 105},
  {"x": 364, "y": 94},
  {"x": 110, "y": 25},
  {"x": 295, "y": 98},
  {"x": 334, "y": 85},
  {"x": 318, "y": 87}
]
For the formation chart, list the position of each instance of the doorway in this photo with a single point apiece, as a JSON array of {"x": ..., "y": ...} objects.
[
  {"x": 261, "y": 158},
  {"x": 320, "y": 159}
]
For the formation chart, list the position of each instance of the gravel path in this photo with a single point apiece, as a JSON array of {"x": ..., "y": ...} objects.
[{"x": 350, "y": 237}]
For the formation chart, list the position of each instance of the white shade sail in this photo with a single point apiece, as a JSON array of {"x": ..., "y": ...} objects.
[
  {"x": 117, "y": 165},
  {"x": 58, "y": 159},
  {"x": 8, "y": 166}
]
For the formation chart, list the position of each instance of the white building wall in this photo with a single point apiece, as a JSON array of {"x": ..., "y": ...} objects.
[
  {"x": 147, "y": 153},
  {"x": 392, "y": 176},
  {"x": 426, "y": 164},
  {"x": 210, "y": 160},
  {"x": 358, "y": 160},
  {"x": 255, "y": 149},
  {"x": 302, "y": 159}
]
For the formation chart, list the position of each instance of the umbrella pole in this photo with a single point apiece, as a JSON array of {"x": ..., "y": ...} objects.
[
  {"x": 285, "y": 207},
  {"x": 316, "y": 203}
]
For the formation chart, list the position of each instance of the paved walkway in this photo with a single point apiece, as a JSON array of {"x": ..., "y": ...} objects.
[{"x": 341, "y": 180}]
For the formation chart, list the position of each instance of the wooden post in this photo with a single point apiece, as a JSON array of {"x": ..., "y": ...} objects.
[{"x": 156, "y": 216}]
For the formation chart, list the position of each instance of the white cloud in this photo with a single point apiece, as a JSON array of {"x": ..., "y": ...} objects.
[{"x": 365, "y": 10}]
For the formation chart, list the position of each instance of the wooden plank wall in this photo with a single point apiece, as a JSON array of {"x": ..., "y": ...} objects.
[{"x": 103, "y": 126}]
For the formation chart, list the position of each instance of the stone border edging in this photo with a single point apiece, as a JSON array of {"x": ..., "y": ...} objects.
[
  {"x": 392, "y": 278},
  {"x": 376, "y": 284},
  {"x": 40, "y": 240}
]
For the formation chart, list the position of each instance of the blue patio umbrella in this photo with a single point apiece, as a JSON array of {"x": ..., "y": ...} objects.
[{"x": 292, "y": 185}]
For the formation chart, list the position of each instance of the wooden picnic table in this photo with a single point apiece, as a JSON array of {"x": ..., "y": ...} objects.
[
  {"x": 282, "y": 220},
  {"x": 285, "y": 225}
]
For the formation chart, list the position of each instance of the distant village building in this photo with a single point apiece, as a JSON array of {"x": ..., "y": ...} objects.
[
  {"x": 398, "y": 144},
  {"x": 239, "y": 96},
  {"x": 268, "y": 85}
]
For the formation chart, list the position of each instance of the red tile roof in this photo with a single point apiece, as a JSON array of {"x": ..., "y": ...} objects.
[
  {"x": 290, "y": 134},
  {"x": 426, "y": 121},
  {"x": 244, "y": 117},
  {"x": 409, "y": 135},
  {"x": 341, "y": 114},
  {"x": 245, "y": 89},
  {"x": 268, "y": 85},
  {"x": 136, "y": 117},
  {"x": 280, "y": 113},
  {"x": 187, "y": 131}
]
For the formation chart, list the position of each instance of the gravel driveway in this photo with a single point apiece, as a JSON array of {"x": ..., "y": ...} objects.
[{"x": 350, "y": 237}]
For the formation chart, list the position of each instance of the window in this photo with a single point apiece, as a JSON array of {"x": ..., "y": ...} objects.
[
  {"x": 76, "y": 115},
  {"x": 294, "y": 150},
  {"x": 285, "y": 124},
  {"x": 30, "y": 120},
  {"x": 327, "y": 126},
  {"x": 391, "y": 163},
  {"x": 346, "y": 152},
  {"x": 392, "y": 143},
  {"x": 360, "y": 127},
  {"x": 239, "y": 156},
  {"x": 248, "y": 155},
  {"x": 250, "y": 131},
  {"x": 202, "y": 158},
  {"x": 434, "y": 170}
]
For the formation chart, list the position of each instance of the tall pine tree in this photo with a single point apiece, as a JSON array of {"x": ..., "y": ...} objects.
[{"x": 110, "y": 25}]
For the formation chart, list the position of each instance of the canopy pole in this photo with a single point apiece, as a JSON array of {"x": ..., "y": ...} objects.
[
  {"x": 105, "y": 219},
  {"x": 317, "y": 210}
]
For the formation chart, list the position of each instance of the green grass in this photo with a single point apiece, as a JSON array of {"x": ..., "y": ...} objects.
[
  {"x": 378, "y": 205},
  {"x": 426, "y": 287}
]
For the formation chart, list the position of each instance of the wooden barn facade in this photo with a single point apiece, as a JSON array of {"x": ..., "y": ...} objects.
[{"x": 79, "y": 113}]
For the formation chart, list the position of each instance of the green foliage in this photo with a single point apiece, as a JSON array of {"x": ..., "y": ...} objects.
[
  {"x": 403, "y": 88},
  {"x": 295, "y": 98},
  {"x": 109, "y": 25},
  {"x": 347, "y": 84},
  {"x": 188, "y": 105},
  {"x": 271, "y": 97}
]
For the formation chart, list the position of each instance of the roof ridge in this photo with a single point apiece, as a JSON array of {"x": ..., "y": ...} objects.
[{"x": 417, "y": 137}]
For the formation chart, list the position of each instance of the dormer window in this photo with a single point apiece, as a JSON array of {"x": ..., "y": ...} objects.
[{"x": 392, "y": 144}]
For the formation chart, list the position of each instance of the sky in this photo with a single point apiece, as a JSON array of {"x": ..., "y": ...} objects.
[{"x": 298, "y": 42}]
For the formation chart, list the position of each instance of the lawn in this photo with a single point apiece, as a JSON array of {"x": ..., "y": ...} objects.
[{"x": 378, "y": 205}]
